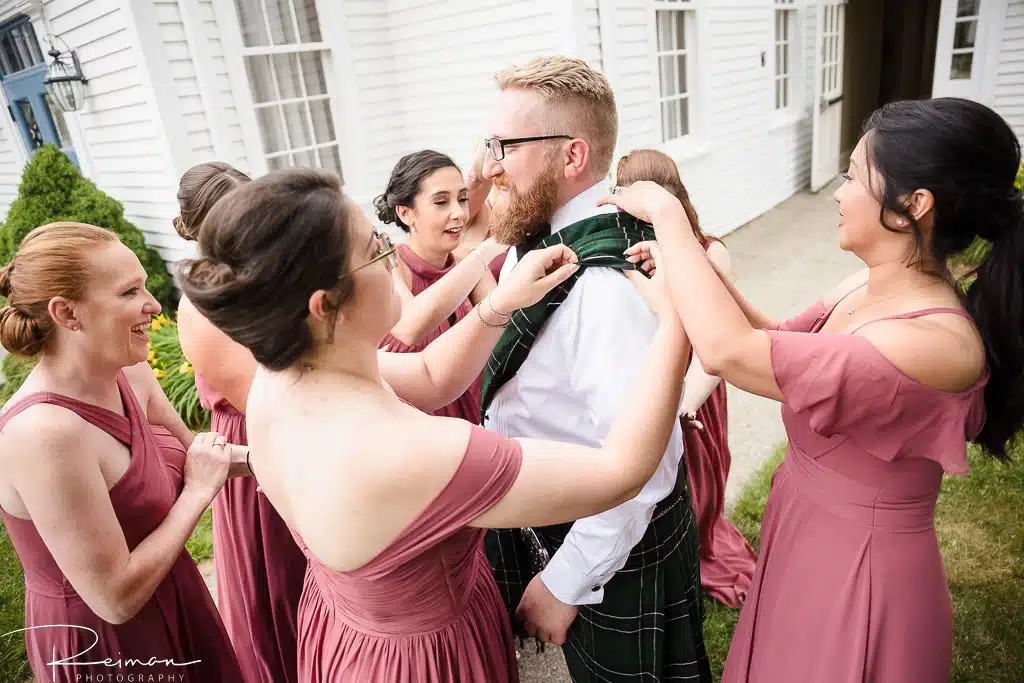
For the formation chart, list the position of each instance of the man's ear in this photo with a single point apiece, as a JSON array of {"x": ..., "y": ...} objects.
[{"x": 577, "y": 158}]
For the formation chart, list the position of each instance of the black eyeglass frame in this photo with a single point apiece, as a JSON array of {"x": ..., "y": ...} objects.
[{"x": 500, "y": 154}]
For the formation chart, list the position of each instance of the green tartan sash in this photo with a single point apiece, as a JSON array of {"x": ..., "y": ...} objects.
[{"x": 597, "y": 241}]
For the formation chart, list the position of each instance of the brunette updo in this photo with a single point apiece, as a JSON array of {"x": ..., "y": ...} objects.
[
  {"x": 199, "y": 189},
  {"x": 406, "y": 181},
  {"x": 51, "y": 261},
  {"x": 265, "y": 248}
]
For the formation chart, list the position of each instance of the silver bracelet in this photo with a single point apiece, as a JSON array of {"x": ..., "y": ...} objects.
[
  {"x": 500, "y": 315},
  {"x": 481, "y": 316}
]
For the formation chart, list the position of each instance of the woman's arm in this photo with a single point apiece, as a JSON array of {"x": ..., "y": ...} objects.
[
  {"x": 227, "y": 366},
  {"x": 560, "y": 482},
  {"x": 478, "y": 186},
  {"x": 425, "y": 311},
  {"x": 51, "y": 460},
  {"x": 440, "y": 373},
  {"x": 723, "y": 337}
]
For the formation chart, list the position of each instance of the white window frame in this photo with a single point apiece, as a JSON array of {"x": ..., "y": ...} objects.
[
  {"x": 795, "y": 110},
  {"x": 689, "y": 11},
  {"x": 259, "y": 157}
]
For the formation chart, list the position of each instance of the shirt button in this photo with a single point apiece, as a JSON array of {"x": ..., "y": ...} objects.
[{"x": 595, "y": 588}]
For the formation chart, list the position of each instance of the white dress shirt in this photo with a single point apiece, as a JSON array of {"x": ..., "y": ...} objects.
[{"x": 581, "y": 369}]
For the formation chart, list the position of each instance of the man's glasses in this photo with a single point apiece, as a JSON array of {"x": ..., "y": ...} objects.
[
  {"x": 496, "y": 146},
  {"x": 385, "y": 249}
]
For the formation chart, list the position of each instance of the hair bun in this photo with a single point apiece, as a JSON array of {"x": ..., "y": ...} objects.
[
  {"x": 385, "y": 212},
  {"x": 1005, "y": 219},
  {"x": 209, "y": 274},
  {"x": 20, "y": 334}
]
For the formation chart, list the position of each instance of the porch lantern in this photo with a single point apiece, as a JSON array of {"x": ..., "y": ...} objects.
[{"x": 64, "y": 80}]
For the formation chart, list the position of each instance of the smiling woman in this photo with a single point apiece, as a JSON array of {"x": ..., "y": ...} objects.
[
  {"x": 427, "y": 197},
  {"x": 101, "y": 482}
]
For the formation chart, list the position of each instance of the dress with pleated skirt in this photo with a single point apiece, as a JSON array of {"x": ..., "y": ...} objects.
[
  {"x": 850, "y": 586},
  {"x": 426, "y": 608},
  {"x": 260, "y": 569},
  {"x": 726, "y": 559},
  {"x": 179, "y": 623}
]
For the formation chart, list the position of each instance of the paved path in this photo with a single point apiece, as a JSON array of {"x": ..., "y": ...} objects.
[{"x": 783, "y": 260}]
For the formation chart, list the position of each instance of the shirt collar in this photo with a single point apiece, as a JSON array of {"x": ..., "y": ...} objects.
[{"x": 582, "y": 206}]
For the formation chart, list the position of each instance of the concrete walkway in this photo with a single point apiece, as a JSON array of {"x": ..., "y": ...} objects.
[{"x": 783, "y": 261}]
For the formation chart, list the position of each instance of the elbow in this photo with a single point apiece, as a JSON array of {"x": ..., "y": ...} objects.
[
  {"x": 717, "y": 358},
  {"x": 115, "y": 609}
]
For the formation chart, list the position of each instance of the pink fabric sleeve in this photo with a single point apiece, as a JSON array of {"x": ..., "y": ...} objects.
[
  {"x": 489, "y": 468},
  {"x": 803, "y": 322},
  {"x": 844, "y": 386}
]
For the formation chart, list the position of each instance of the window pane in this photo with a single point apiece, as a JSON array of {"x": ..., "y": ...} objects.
[
  {"x": 27, "y": 113},
  {"x": 289, "y": 79},
  {"x": 785, "y": 91},
  {"x": 250, "y": 16},
  {"x": 778, "y": 59},
  {"x": 778, "y": 26},
  {"x": 664, "y": 21},
  {"x": 309, "y": 23},
  {"x": 967, "y": 8},
  {"x": 277, "y": 163},
  {"x": 681, "y": 74},
  {"x": 323, "y": 124},
  {"x": 680, "y": 21},
  {"x": 785, "y": 59},
  {"x": 684, "y": 116},
  {"x": 313, "y": 73},
  {"x": 297, "y": 125},
  {"x": 964, "y": 34},
  {"x": 666, "y": 67},
  {"x": 260, "y": 82},
  {"x": 330, "y": 160},
  {"x": 10, "y": 58},
  {"x": 778, "y": 95},
  {"x": 271, "y": 129},
  {"x": 306, "y": 159},
  {"x": 21, "y": 44},
  {"x": 57, "y": 116},
  {"x": 960, "y": 68},
  {"x": 279, "y": 16},
  {"x": 667, "y": 127}
]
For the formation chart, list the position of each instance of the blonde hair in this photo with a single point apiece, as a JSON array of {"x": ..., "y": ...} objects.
[
  {"x": 51, "y": 261},
  {"x": 579, "y": 97},
  {"x": 658, "y": 167}
]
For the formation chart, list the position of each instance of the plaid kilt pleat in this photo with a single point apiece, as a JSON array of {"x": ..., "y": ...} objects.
[{"x": 649, "y": 626}]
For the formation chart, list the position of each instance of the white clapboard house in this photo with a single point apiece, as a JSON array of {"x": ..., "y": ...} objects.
[{"x": 755, "y": 99}]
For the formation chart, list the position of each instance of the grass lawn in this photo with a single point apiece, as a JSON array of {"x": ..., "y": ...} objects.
[{"x": 979, "y": 527}]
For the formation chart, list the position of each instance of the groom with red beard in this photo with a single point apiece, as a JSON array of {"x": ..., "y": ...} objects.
[{"x": 621, "y": 589}]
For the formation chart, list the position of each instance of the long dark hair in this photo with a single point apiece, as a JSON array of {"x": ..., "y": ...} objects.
[
  {"x": 405, "y": 182},
  {"x": 967, "y": 157}
]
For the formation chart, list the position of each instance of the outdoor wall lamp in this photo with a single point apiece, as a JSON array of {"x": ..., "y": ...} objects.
[{"x": 64, "y": 80}]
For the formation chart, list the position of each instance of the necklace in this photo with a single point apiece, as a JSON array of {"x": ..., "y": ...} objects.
[{"x": 889, "y": 298}]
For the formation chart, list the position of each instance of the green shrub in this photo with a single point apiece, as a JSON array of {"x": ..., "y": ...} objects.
[{"x": 52, "y": 189}]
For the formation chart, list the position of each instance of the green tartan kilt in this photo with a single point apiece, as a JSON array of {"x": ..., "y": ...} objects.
[{"x": 649, "y": 625}]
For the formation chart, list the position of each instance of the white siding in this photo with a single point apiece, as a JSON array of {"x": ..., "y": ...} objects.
[
  {"x": 742, "y": 160},
  {"x": 1009, "y": 90},
  {"x": 591, "y": 33},
  {"x": 190, "y": 112},
  {"x": 125, "y": 142},
  {"x": 10, "y": 165},
  {"x": 424, "y": 70}
]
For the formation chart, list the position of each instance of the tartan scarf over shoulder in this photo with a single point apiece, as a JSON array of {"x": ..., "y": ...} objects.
[{"x": 598, "y": 241}]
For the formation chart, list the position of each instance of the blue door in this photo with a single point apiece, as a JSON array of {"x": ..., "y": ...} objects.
[{"x": 22, "y": 70}]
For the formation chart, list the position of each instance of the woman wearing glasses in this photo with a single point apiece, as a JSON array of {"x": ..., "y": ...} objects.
[
  {"x": 388, "y": 502},
  {"x": 427, "y": 197}
]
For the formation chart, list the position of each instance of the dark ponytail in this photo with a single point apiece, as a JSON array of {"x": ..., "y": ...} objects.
[
  {"x": 406, "y": 181},
  {"x": 968, "y": 158}
]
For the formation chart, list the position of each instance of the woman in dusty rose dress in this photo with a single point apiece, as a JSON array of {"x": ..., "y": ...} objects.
[
  {"x": 427, "y": 197},
  {"x": 98, "y": 491},
  {"x": 260, "y": 569},
  {"x": 389, "y": 502},
  {"x": 881, "y": 385},
  {"x": 726, "y": 559}
]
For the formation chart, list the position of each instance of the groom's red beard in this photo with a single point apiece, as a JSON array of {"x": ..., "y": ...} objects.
[{"x": 520, "y": 215}]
